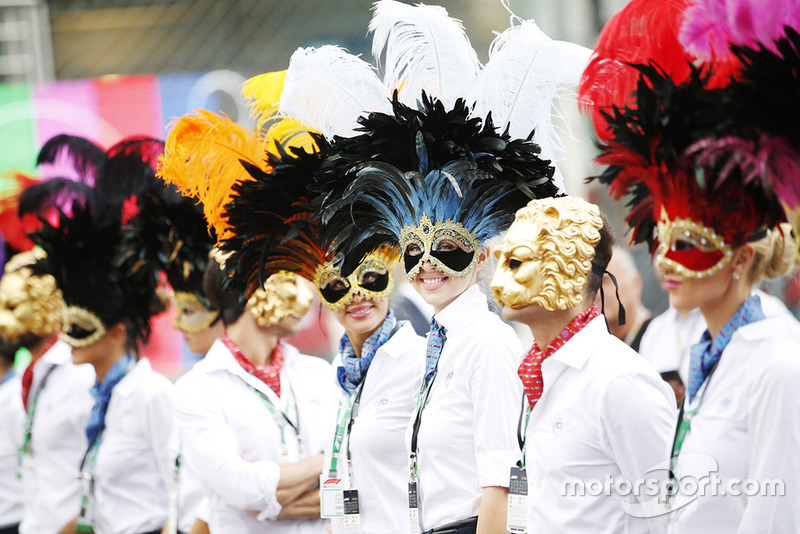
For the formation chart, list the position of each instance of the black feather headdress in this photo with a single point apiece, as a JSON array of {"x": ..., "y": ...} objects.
[
  {"x": 272, "y": 217},
  {"x": 82, "y": 235},
  {"x": 84, "y": 157},
  {"x": 431, "y": 162}
]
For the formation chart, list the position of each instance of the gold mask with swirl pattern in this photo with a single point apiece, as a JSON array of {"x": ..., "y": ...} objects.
[
  {"x": 546, "y": 255},
  {"x": 30, "y": 305},
  {"x": 284, "y": 294}
]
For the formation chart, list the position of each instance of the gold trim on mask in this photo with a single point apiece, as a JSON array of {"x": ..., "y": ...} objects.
[
  {"x": 379, "y": 261},
  {"x": 427, "y": 234},
  {"x": 84, "y": 319},
  {"x": 704, "y": 238},
  {"x": 193, "y": 316},
  {"x": 283, "y": 295}
]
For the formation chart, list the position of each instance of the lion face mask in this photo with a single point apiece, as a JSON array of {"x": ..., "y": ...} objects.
[{"x": 546, "y": 255}]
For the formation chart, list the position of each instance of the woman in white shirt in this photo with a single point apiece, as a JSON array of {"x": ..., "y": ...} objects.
[
  {"x": 462, "y": 437},
  {"x": 711, "y": 215},
  {"x": 252, "y": 420},
  {"x": 110, "y": 295}
]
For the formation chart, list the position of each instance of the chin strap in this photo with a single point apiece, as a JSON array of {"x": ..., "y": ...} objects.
[{"x": 600, "y": 272}]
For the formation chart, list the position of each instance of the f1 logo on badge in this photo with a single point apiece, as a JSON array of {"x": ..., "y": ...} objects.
[{"x": 332, "y": 481}]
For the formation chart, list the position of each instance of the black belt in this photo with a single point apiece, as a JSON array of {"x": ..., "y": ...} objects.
[{"x": 463, "y": 526}]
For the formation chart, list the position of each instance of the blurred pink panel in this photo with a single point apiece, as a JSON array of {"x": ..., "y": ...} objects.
[
  {"x": 70, "y": 107},
  {"x": 131, "y": 104}
]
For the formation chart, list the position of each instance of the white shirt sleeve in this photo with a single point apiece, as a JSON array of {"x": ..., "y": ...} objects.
[
  {"x": 496, "y": 398},
  {"x": 638, "y": 419},
  {"x": 774, "y": 427},
  {"x": 159, "y": 423},
  {"x": 211, "y": 447}
]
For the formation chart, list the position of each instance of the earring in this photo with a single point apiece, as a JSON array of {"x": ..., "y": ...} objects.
[{"x": 736, "y": 275}]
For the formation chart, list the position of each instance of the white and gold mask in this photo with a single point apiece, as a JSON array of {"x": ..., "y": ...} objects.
[
  {"x": 546, "y": 255},
  {"x": 449, "y": 247}
]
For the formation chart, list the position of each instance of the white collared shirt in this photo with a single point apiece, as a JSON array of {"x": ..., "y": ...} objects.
[
  {"x": 58, "y": 439},
  {"x": 191, "y": 491},
  {"x": 467, "y": 438},
  {"x": 604, "y": 412},
  {"x": 134, "y": 468},
  {"x": 12, "y": 421},
  {"x": 234, "y": 444},
  {"x": 749, "y": 423},
  {"x": 378, "y": 446},
  {"x": 669, "y": 337}
]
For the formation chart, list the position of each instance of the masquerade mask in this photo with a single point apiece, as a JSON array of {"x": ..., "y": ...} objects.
[
  {"x": 448, "y": 246},
  {"x": 372, "y": 279},
  {"x": 283, "y": 295},
  {"x": 546, "y": 255},
  {"x": 29, "y": 304},
  {"x": 81, "y": 327},
  {"x": 690, "y": 249},
  {"x": 193, "y": 316}
]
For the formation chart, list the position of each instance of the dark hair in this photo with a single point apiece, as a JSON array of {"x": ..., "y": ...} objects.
[
  {"x": 227, "y": 300},
  {"x": 602, "y": 257}
]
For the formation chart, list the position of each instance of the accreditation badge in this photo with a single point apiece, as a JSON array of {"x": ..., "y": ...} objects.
[
  {"x": 352, "y": 513},
  {"x": 517, "y": 515},
  {"x": 413, "y": 508},
  {"x": 86, "y": 513},
  {"x": 331, "y": 497},
  {"x": 26, "y": 471}
]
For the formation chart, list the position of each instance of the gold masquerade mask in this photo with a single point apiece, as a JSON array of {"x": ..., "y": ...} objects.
[
  {"x": 284, "y": 294},
  {"x": 81, "y": 327},
  {"x": 547, "y": 254},
  {"x": 193, "y": 316},
  {"x": 448, "y": 246},
  {"x": 372, "y": 279},
  {"x": 690, "y": 249},
  {"x": 29, "y": 304}
]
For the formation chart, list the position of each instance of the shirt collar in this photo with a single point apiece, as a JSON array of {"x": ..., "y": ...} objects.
[
  {"x": 465, "y": 309},
  {"x": 577, "y": 350},
  {"x": 127, "y": 384}
]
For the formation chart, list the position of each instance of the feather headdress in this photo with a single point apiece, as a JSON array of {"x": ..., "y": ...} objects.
[
  {"x": 432, "y": 161},
  {"x": 253, "y": 190}
]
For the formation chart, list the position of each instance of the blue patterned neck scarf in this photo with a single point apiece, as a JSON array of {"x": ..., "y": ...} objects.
[
  {"x": 353, "y": 368},
  {"x": 102, "y": 396},
  {"x": 706, "y": 353},
  {"x": 8, "y": 376},
  {"x": 436, "y": 338}
]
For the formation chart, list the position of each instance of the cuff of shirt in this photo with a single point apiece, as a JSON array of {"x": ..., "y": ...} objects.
[
  {"x": 494, "y": 468},
  {"x": 269, "y": 488}
]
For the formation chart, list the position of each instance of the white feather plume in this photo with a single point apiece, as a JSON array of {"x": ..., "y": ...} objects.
[
  {"x": 526, "y": 79},
  {"x": 425, "y": 49},
  {"x": 327, "y": 89}
]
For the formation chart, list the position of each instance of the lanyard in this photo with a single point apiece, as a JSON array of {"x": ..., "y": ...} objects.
[
  {"x": 26, "y": 445},
  {"x": 422, "y": 401},
  {"x": 345, "y": 416},
  {"x": 522, "y": 431},
  {"x": 280, "y": 417},
  {"x": 685, "y": 417}
]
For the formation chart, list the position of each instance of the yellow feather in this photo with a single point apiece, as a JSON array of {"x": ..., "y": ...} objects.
[
  {"x": 264, "y": 93},
  {"x": 201, "y": 158}
]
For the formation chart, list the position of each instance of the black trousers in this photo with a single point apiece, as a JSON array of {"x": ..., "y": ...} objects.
[{"x": 13, "y": 529}]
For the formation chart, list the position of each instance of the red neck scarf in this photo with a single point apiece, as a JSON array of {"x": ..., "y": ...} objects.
[
  {"x": 530, "y": 370},
  {"x": 27, "y": 376},
  {"x": 269, "y": 374}
]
